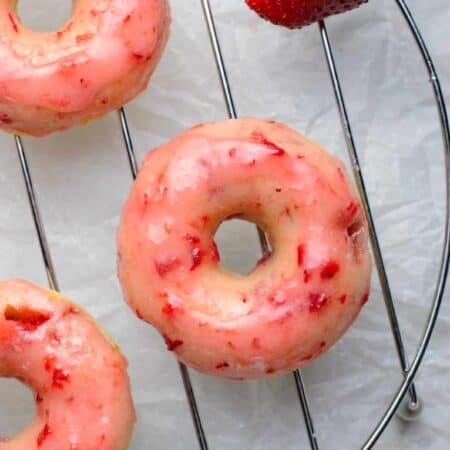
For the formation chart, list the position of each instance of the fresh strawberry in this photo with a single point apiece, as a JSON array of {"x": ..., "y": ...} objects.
[{"x": 298, "y": 13}]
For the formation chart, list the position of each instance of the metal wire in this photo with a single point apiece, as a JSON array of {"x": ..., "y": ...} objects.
[
  {"x": 443, "y": 270},
  {"x": 228, "y": 96},
  {"x": 50, "y": 270},
  {"x": 393, "y": 320},
  {"x": 128, "y": 143},
  {"x": 39, "y": 225},
  {"x": 187, "y": 384},
  {"x": 265, "y": 248},
  {"x": 382, "y": 275}
]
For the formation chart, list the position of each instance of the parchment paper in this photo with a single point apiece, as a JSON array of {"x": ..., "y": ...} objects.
[{"x": 82, "y": 179}]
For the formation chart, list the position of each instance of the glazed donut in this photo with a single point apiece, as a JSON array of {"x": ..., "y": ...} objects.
[
  {"x": 99, "y": 60},
  {"x": 298, "y": 301},
  {"x": 79, "y": 376}
]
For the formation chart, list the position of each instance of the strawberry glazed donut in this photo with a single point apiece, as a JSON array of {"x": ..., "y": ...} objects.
[
  {"x": 100, "y": 59},
  {"x": 298, "y": 301},
  {"x": 79, "y": 376}
]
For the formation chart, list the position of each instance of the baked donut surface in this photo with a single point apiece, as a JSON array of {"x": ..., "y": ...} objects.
[{"x": 298, "y": 301}]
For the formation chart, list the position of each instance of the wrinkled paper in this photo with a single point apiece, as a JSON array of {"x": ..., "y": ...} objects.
[{"x": 82, "y": 178}]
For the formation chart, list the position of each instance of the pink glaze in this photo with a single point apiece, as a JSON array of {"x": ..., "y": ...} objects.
[
  {"x": 99, "y": 60},
  {"x": 79, "y": 376},
  {"x": 296, "y": 303}
]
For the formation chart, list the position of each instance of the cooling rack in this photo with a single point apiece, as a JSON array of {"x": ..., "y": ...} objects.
[{"x": 405, "y": 400}]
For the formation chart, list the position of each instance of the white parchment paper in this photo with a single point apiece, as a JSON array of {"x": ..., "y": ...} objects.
[{"x": 82, "y": 179}]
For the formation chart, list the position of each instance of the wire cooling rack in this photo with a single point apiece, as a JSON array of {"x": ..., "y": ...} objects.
[{"x": 406, "y": 392}]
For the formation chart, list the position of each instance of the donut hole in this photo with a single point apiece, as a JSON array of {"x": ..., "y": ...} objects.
[
  {"x": 238, "y": 245},
  {"x": 17, "y": 408},
  {"x": 44, "y": 15}
]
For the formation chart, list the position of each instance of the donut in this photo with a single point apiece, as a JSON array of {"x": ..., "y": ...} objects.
[
  {"x": 299, "y": 299},
  {"x": 78, "y": 374},
  {"x": 99, "y": 60}
]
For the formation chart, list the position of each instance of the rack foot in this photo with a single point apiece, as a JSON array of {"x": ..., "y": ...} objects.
[{"x": 408, "y": 410}]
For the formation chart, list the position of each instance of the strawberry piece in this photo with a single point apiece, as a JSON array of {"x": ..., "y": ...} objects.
[{"x": 299, "y": 13}]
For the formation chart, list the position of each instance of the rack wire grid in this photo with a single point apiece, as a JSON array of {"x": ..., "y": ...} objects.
[{"x": 405, "y": 400}]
